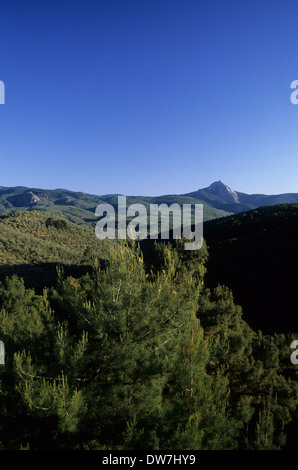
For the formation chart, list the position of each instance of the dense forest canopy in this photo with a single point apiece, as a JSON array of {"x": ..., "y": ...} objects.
[{"x": 133, "y": 354}]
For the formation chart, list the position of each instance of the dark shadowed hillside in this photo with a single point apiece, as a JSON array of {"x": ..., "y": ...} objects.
[{"x": 256, "y": 254}]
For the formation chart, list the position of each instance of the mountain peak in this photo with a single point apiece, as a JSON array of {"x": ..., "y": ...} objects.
[{"x": 223, "y": 191}]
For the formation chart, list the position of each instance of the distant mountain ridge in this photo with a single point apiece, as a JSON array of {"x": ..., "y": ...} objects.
[
  {"x": 219, "y": 200},
  {"x": 221, "y": 196},
  {"x": 79, "y": 207}
]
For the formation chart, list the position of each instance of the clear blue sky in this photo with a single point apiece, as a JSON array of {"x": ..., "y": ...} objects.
[{"x": 149, "y": 96}]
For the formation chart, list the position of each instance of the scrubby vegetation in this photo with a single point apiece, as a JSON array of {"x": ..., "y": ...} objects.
[{"x": 34, "y": 243}]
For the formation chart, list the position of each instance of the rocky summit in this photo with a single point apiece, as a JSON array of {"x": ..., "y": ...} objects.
[{"x": 223, "y": 191}]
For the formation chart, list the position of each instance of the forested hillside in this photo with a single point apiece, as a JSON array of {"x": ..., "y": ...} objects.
[{"x": 135, "y": 355}]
